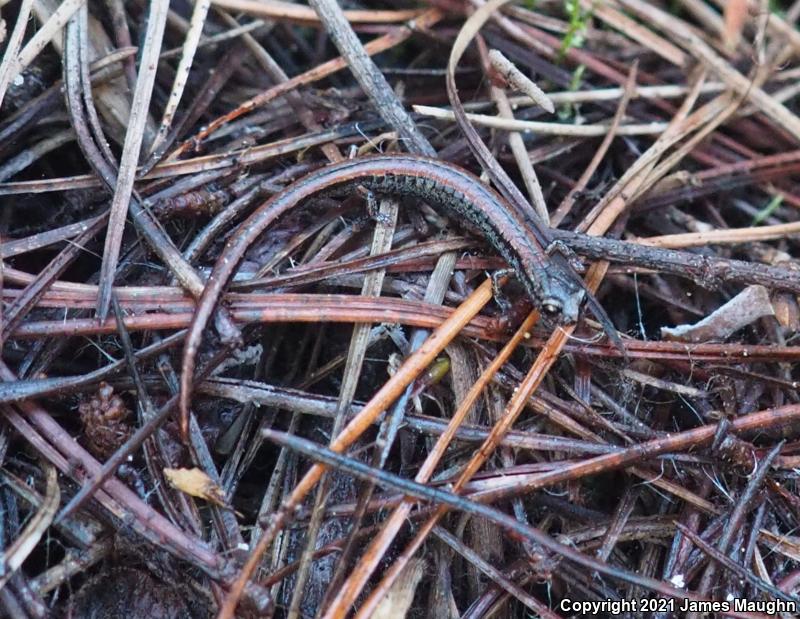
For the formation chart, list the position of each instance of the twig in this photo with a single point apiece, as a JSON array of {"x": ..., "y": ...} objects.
[{"x": 371, "y": 79}]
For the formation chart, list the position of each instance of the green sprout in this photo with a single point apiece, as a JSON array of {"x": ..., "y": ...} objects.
[
  {"x": 575, "y": 36},
  {"x": 768, "y": 210}
]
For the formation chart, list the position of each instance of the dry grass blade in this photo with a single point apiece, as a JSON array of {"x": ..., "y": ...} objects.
[
  {"x": 547, "y": 128},
  {"x": 182, "y": 74},
  {"x": 156, "y": 22},
  {"x": 48, "y": 32},
  {"x": 9, "y": 66}
]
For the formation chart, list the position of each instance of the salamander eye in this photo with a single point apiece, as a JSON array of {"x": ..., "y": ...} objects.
[{"x": 551, "y": 308}]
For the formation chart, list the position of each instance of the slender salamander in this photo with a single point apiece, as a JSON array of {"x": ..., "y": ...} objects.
[{"x": 555, "y": 292}]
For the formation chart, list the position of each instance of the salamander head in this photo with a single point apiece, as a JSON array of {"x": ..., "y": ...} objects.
[
  {"x": 558, "y": 295},
  {"x": 561, "y": 299}
]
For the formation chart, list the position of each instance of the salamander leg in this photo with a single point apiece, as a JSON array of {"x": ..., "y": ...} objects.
[
  {"x": 499, "y": 295},
  {"x": 374, "y": 210},
  {"x": 560, "y": 247}
]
